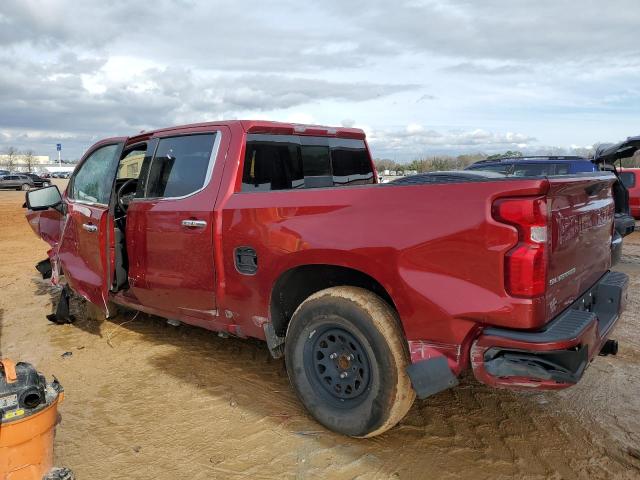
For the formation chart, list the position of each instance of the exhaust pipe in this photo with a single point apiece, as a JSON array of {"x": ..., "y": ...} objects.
[{"x": 610, "y": 347}]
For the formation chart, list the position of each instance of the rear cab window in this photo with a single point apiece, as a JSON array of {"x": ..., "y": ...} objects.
[{"x": 287, "y": 162}]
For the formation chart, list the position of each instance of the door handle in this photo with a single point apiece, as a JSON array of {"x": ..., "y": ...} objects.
[
  {"x": 90, "y": 227},
  {"x": 194, "y": 223}
]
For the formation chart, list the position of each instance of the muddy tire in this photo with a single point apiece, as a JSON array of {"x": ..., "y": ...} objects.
[{"x": 346, "y": 358}]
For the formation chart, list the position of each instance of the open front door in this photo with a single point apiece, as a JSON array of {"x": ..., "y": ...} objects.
[{"x": 83, "y": 247}]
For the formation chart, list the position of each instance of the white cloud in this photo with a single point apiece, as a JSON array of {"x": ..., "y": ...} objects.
[
  {"x": 420, "y": 139},
  {"x": 300, "y": 117},
  {"x": 420, "y": 74}
]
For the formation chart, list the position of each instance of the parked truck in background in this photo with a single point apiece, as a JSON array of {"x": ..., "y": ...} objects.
[
  {"x": 630, "y": 177},
  {"x": 373, "y": 293}
]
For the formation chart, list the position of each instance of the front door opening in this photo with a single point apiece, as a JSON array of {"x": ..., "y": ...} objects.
[{"x": 125, "y": 187}]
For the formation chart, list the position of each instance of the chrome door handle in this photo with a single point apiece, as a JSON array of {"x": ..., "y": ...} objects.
[
  {"x": 194, "y": 223},
  {"x": 89, "y": 227}
]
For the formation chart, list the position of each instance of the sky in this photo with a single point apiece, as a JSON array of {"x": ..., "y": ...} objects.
[{"x": 420, "y": 77}]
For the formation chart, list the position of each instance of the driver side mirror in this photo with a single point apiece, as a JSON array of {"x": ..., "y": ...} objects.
[{"x": 43, "y": 198}]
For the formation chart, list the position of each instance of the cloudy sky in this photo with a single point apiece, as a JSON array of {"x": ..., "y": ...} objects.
[{"x": 421, "y": 77}]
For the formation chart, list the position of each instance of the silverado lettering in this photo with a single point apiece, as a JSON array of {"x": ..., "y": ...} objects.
[{"x": 571, "y": 226}]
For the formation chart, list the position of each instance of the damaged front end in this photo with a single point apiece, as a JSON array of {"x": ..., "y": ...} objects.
[{"x": 49, "y": 268}]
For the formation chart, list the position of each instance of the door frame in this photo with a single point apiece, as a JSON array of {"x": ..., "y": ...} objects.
[
  {"x": 104, "y": 249},
  {"x": 210, "y": 188}
]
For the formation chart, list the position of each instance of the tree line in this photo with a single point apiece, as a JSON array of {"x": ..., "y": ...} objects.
[
  {"x": 13, "y": 157},
  {"x": 430, "y": 164}
]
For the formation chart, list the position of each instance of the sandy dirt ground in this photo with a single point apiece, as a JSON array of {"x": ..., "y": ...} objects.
[{"x": 145, "y": 400}]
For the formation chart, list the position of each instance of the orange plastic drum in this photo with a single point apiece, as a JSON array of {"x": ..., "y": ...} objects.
[{"x": 26, "y": 437}]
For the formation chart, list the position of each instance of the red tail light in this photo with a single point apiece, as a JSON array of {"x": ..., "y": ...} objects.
[{"x": 525, "y": 264}]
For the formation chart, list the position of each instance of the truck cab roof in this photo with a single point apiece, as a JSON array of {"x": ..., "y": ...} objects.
[{"x": 265, "y": 126}]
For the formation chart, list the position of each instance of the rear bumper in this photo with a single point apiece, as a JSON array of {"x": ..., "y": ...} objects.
[{"x": 556, "y": 356}]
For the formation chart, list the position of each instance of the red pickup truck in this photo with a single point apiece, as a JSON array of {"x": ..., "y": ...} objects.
[{"x": 374, "y": 293}]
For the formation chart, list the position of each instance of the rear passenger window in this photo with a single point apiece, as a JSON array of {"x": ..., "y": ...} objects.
[
  {"x": 281, "y": 162},
  {"x": 628, "y": 179},
  {"x": 562, "y": 168},
  {"x": 179, "y": 166},
  {"x": 272, "y": 166}
]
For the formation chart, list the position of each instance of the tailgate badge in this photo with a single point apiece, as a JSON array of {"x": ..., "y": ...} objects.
[{"x": 562, "y": 276}]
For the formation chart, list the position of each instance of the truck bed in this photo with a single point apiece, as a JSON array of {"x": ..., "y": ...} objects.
[{"x": 434, "y": 246}]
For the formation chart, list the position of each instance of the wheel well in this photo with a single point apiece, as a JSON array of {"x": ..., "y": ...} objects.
[{"x": 297, "y": 284}]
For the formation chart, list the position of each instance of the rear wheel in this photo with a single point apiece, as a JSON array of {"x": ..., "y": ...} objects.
[
  {"x": 25, "y": 186},
  {"x": 346, "y": 358}
]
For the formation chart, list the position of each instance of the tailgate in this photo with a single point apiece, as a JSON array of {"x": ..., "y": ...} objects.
[{"x": 581, "y": 220}]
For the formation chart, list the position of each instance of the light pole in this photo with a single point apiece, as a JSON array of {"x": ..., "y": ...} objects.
[{"x": 59, "y": 148}]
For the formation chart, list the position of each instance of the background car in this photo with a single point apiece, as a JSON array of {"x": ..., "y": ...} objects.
[
  {"x": 536, "y": 165},
  {"x": 16, "y": 182},
  {"x": 446, "y": 176},
  {"x": 4, "y": 172},
  {"x": 37, "y": 180}
]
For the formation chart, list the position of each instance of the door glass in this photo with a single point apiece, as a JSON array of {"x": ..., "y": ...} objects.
[
  {"x": 93, "y": 181},
  {"x": 180, "y": 165}
]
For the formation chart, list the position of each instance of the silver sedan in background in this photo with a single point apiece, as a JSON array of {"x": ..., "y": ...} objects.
[{"x": 16, "y": 182}]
